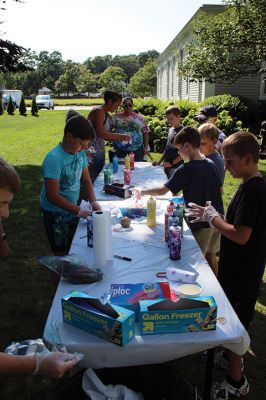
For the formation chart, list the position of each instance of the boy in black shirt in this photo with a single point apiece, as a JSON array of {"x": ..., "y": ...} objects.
[
  {"x": 171, "y": 158},
  {"x": 243, "y": 249},
  {"x": 198, "y": 179}
]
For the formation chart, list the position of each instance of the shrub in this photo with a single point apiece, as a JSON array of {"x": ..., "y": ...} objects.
[
  {"x": 1, "y": 106},
  {"x": 10, "y": 106},
  {"x": 34, "y": 107},
  {"x": 22, "y": 106},
  {"x": 226, "y": 102}
]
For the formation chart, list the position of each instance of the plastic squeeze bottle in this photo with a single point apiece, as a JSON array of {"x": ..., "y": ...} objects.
[
  {"x": 127, "y": 162},
  {"x": 151, "y": 212},
  {"x": 168, "y": 213}
]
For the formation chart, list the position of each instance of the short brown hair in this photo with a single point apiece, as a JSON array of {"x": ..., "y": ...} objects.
[
  {"x": 9, "y": 178},
  {"x": 190, "y": 135},
  {"x": 208, "y": 131},
  {"x": 173, "y": 110},
  {"x": 241, "y": 144}
]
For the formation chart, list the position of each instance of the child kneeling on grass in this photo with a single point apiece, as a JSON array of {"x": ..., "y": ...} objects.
[
  {"x": 50, "y": 364},
  {"x": 243, "y": 250},
  {"x": 63, "y": 167}
]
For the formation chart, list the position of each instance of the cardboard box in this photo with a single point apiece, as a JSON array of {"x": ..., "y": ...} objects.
[
  {"x": 110, "y": 322},
  {"x": 128, "y": 295},
  {"x": 185, "y": 315},
  {"x": 118, "y": 189}
]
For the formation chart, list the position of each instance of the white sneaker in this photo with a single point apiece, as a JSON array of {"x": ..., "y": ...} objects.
[{"x": 224, "y": 391}]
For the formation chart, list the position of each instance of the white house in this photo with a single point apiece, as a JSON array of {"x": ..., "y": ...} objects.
[{"x": 171, "y": 86}]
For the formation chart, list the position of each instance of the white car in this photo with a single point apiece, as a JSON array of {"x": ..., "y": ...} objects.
[{"x": 45, "y": 101}]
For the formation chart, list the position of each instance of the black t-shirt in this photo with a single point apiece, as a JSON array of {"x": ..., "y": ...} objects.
[
  {"x": 200, "y": 182},
  {"x": 241, "y": 267}
]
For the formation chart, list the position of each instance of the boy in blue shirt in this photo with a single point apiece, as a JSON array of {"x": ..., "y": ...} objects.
[
  {"x": 243, "y": 250},
  {"x": 208, "y": 141},
  {"x": 63, "y": 167}
]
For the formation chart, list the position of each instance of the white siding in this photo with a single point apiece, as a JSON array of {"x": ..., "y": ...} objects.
[
  {"x": 172, "y": 87},
  {"x": 194, "y": 91},
  {"x": 248, "y": 86}
]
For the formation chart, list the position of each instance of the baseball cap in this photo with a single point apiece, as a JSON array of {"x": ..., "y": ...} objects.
[{"x": 206, "y": 112}]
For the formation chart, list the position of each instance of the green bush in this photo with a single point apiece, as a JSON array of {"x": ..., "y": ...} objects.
[
  {"x": 22, "y": 106},
  {"x": 226, "y": 102},
  {"x": 34, "y": 107},
  {"x": 10, "y": 106},
  {"x": 1, "y": 106}
]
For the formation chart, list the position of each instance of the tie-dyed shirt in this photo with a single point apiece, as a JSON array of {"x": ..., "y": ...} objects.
[{"x": 134, "y": 125}]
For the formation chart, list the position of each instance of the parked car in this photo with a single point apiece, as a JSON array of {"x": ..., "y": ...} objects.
[
  {"x": 45, "y": 101},
  {"x": 6, "y": 100}
]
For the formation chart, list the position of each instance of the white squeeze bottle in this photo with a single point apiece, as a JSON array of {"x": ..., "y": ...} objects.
[{"x": 151, "y": 212}]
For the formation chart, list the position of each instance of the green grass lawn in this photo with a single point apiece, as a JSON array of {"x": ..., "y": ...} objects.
[
  {"x": 26, "y": 288},
  {"x": 73, "y": 102}
]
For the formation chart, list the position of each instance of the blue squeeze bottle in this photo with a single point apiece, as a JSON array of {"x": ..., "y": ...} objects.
[{"x": 115, "y": 164}]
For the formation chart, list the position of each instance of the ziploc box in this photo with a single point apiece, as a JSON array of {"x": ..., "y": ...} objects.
[
  {"x": 128, "y": 295},
  {"x": 110, "y": 322},
  {"x": 185, "y": 315}
]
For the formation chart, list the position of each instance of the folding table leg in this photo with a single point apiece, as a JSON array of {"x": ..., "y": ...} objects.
[{"x": 208, "y": 375}]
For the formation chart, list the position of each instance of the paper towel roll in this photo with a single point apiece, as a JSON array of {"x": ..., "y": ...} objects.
[
  {"x": 102, "y": 238},
  {"x": 109, "y": 237}
]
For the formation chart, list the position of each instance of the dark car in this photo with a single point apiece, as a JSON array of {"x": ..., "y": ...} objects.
[{"x": 6, "y": 100}]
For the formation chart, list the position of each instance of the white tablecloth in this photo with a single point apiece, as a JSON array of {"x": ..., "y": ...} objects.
[
  {"x": 149, "y": 255},
  {"x": 144, "y": 175}
]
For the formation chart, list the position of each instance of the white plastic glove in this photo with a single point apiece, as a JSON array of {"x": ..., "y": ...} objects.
[
  {"x": 137, "y": 193},
  {"x": 96, "y": 206},
  {"x": 201, "y": 214},
  {"x": 84, "y": 213},
  {"x": 55, "y": 364}
]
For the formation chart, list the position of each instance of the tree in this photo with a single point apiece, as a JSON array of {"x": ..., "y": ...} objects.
[
  {"x": 13, "y": 58},
  {"x": 113, "y": 78},
  {"x": 86, "y": 82},
  {"x": 67, "y": 81},
  {"x": 34, "y": 107},
  {"x": 229, "y": 45},
  {"x": 129, "y": 64},
  {"x": 1, "y": 105},
  {"x": 22, "y": 106},
  {"x": 10, "y": 106},
  {"x": 49, "y": 66},
  {"x": 147, "y": 55},
  {"x": 143, "y": 83},
  {"x": 99, "y": 63}
]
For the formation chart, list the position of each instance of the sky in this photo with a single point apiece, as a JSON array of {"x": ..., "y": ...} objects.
[{"x": 86, "y": 28}]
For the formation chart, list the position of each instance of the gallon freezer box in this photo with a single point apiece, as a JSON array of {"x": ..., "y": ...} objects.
[{"x": 110, "y": 322}]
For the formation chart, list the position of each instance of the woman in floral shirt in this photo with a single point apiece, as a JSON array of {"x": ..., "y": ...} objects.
[{"x": 133, "y": 124}]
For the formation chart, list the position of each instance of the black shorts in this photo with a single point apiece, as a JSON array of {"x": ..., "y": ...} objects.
[
  {"x": 244, "y": 308},
  {"x": 60, "y": 229}
]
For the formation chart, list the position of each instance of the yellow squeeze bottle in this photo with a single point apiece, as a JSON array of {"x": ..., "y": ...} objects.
[
  {"x": 127, "y": 161},
  {"x": 151, "y": 212}
]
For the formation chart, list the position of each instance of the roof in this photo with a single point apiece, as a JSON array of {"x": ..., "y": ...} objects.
[{"x": 206, "y": 8}]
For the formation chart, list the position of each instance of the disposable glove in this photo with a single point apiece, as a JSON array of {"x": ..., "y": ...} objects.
[
  {"x": 55, "y": 364},
  {"x": 201, "y": 214}
]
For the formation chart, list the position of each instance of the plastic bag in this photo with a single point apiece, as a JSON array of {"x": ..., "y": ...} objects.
[
  {"x": 73, "y": 268},
  {"x": 26, "y": 347}
]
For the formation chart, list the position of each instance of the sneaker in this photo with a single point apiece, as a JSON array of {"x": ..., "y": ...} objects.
[
  {"x": 221, "y": 362},
  {"x": 224, "y": 391}
]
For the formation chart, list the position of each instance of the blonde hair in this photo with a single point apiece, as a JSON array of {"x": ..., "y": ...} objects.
[
  {"x": 241, "y": 144},
  {"x": 208, "y": 131},
  {"x": 9, "y": 178}
]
